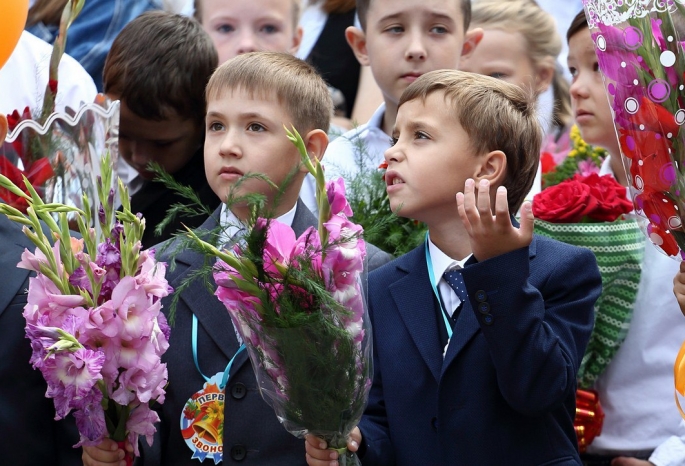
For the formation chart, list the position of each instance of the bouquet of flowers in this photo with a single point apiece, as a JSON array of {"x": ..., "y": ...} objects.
[
  {"x": 58, "y": 152},
  {"x": 93, "y": 313},
  {"x": 578, "y": 158},
  {"x": 639, "y": 51},
  {"x": 298, "y": 306},
  {"x": 589, "y": 211}
]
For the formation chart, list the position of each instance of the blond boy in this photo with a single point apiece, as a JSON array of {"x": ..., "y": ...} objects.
[
  {"x": 399, "y": 40},
  {"x": 478, "y": 333},
  {"x": 249, "y": 101},
  {"x": 238, "y": 27}
]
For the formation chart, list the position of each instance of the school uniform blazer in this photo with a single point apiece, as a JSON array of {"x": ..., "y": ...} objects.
[
  {"x": 252, "y": 433},
  {"x": 29, "y": 434},
  {"x": 505, "y": 391}
]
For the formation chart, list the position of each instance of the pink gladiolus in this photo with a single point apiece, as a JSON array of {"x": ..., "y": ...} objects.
[
  {"x": 335, "y": 190},
  {"x": 90, "y": 420},
  {"x": 141, "y": 422},
  {"x": 132, "y": 302}
]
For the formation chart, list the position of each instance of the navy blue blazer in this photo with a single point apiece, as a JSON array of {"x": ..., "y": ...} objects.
[
  {"x": 252, "y": 433},
  {"x": 29, "y": 435},
  {"x": 505, "y": 391}
]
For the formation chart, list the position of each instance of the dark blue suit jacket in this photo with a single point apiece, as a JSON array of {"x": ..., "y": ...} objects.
[
  {"x": 252, "y": 433},
  {"x": 29, "y": 435},
  {"x": 505, "y": 391}
]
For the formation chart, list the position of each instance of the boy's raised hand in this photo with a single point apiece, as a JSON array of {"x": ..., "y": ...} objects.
[
  {"x": 491, "y": 235},
  {"x": 319, "y": 455}
]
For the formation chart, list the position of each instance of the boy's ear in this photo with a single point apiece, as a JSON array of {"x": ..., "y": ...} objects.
[
  {"x": 471, "y": 40},
  {"x": 493, "y": 168},
  {"x": 297, "y": 40},
  {"x": 544, "y": 75},
  {"x": 357, "y": 41},
  {"x": 316, "y": 142}
]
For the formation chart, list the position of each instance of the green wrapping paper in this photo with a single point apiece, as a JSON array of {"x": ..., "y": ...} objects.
[{"x": 619, "y": 248}]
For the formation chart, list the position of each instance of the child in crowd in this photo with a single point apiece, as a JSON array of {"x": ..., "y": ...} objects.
[
  {"x": 641, "y": 424},
  {"x": 520, "y": 45},
  {"x": 400, "y": 41},
  {"x": 251, "y": 26},
  {"x": 157, "y": 68},
  {"x": 478, "y": 333},
  {"x": 249, "y": 101}
]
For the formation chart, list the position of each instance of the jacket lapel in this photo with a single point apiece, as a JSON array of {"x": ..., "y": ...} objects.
[
  {"x": 413, "y": 297},
  {"x": 210, "y": 312},
  {"x": 14, "y": 243},
  {"x": 467, "y": 324}
]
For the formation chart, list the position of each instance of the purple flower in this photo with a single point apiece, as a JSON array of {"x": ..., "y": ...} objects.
[
  {"x": 141, "y": 422},
  {"x": 134, "y": 308},
  {"x": 335, "y": 189},
  {"x": 108, "y": 255},
  {"x": 90, "y": 420}
]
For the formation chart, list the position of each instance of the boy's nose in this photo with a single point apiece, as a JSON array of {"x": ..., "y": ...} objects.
[
  {"x": 416, "y": 49},
  {"x": 393, "y": 154},
  {"x": 578, "y": 88},
  {"x": 246, "y": 44},
  {"x": 229, "y": 148}
]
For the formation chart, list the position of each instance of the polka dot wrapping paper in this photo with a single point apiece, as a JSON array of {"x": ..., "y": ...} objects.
[{"x": 639, "y": 46}]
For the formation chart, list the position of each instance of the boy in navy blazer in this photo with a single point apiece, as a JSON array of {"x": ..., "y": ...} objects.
[
  {"x": 478, "y": 334},
  {"x": 250, "y": 101}
]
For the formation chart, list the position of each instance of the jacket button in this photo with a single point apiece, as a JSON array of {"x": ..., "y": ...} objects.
[
  {"x": 488, "y": 319},
  {"x": 238, "y": 452},
  {"x": 434, "y": 424},
  {"x": 238, "y": 391},
  {"x": 481, "y": 296},
  {"x": 483, "y": 308}
]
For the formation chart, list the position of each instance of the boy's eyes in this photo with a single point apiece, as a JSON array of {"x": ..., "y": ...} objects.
[
  {"x": 269, "y": 29},
  {"x": 395, "y": 29},
  {"x": 225, "y": 28},
  {"x": 439, "y": 30},
  {"x": 498, "y": 75},
  {"x": 573, "y": 71},
  {"x": 255, "y": 127},
  {"x": 393, "y": 141},
  {"x": 214, "y": 126},
  {"x": 595, "y": 66}
]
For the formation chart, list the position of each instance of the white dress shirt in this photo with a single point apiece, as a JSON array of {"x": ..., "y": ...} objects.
[
  {"x": 636, "y": 390},
  {"x": 343, "y": 156},
  {"x": 231, "y": 225},
  {"x": 441, "y": 264}
]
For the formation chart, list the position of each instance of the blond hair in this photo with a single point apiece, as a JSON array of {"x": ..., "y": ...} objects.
[
  {"x": 197, "y": 6},
  {"x": 542, "y": 41},
  {"x": 296, "y": 84},
  {"x": 496, "y": 115}
]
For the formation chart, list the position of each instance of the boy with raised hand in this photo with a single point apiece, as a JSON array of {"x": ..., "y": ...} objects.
[
  {"x": 400, "y": 40},
  {"x": 478, "y": 333},
  {"x": 249, "y": 101},
  {"x": 253, "y": 26},
  {"x": 158, "y": 67}
]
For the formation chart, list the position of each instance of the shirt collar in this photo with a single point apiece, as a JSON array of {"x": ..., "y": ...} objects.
[
  {"x": 231, "y": 225},
  {"x": 376, "y": 119},
  {"x": 442, "y": 262}
]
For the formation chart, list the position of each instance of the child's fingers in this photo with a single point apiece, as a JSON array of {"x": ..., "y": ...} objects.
[
  {"x": 470, "y": 209},
  {"x": 483, "y": 202},
  {"x": 527, "y": 221},
  {"x": 502, "y": 217},
  {"x": 317, "y": 453},
  {"x": 461, "y": 210}
]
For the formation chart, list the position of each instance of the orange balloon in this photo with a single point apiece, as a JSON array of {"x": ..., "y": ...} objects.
[{"x": 13, "y": 15}]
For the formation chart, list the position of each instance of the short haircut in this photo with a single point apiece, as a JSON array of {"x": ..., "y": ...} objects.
[
  {"x": 197, "y": 10},
  {"x": 363, "y": 10},
  {"x": 296, "y": 84},
  {"x": 496, "y": 115},
  {"x": 159, "y": 64}
]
